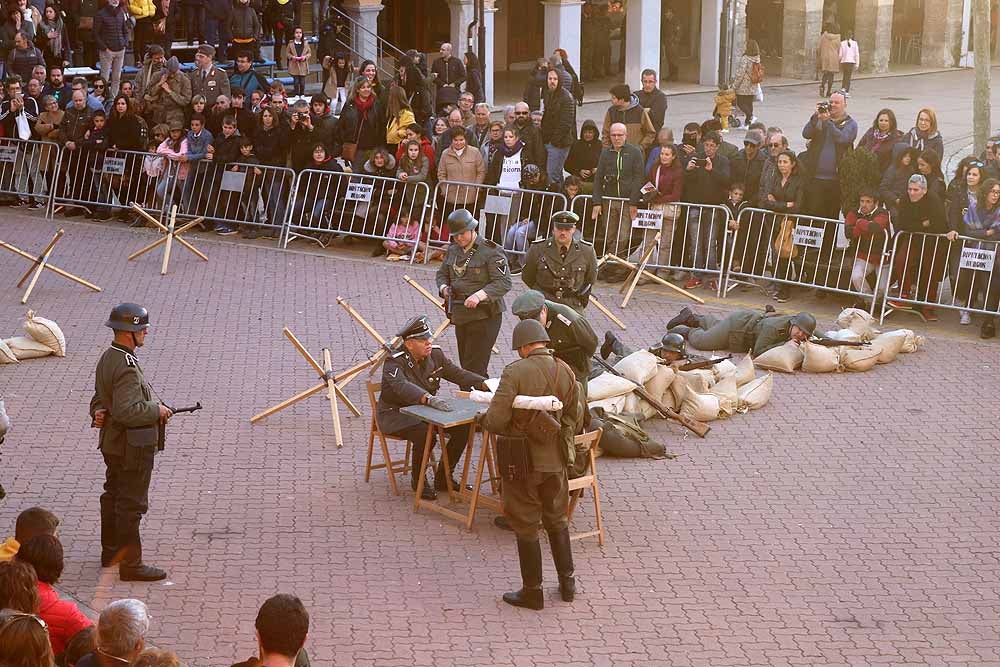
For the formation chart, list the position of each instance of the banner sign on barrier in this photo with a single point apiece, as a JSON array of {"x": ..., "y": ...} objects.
[
  {"x": 233, "y": 181},
  {"x": 359, "y": 192},
  {"x": 648, "y": 219},
  {"x": 497, "y": 205},
  {"x": 8, "y": 153},
  {"x": 114, "y": 166},
  {"x": 808, "y": 236},
  {"x": 977, "y": 260}
]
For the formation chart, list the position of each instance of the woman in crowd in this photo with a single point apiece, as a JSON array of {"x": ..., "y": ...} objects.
[
  {"x": 474, "y": 77},
  {"x": 400, "y": 118},
  {"x": 369, "y": 71},
  {"x": 504, "y": 171},
  {"x": 24, "y": 640},
  {"x": 175, "y": 149},
  {"x": 881, "y": 137},
  {"x": 124, "y": 128},
  {"x": 850, "y": 56},
  {"x": 892, "y": 190},
  {"x": 361, "y": 126},
  {"x": 338, "y": 80},
  {"x": 962, "y": 211},
  {"x": 48, "y": 129},
  {"x": 667, "y": 176},
  {"x": 439, "y": 129},
  {"x": 570, "y": 189},
  {"x": 920, "y": 254},
  {"x": 743, "y": 84},
  {"x": 929, "y": 164},
  {"x": 51, "y": 38},
  {"x": 18, "y": 587},
  {"x": 980, "y": 220},
  {"x": 198, "y": 105},
  {"x": 414, "y": 168},
  {"x": 924, "y": 134},
  {"x": 493, "y": 142},
  {"x": 584, "y": 154},
  {"x": 271, "y": 146},
  {"x": 665, "y": 137},
  {"x": 786, "y": 196},
  {"x": 413, "y": 78},
  {"x": 100, "y": 93}
]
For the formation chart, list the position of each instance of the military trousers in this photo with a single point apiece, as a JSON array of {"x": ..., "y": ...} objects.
[
  {"x": 713, "y": 333},
  {"x": 475, "y": 344},
  {"x": 458, "y": 439},
  {"x": 125, "y": 498},
  {"x": 542, "y": 499}
]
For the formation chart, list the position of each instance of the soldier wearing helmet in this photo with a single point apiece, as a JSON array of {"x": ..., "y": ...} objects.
[
  {"x": 671, "y": 348},
  {"x": 132, "y": 429},
  {"x": 473, "y": 279},
  {"x": 745, "y": 330},
  {"x": 539, "y": 495},
  {"x": 562, "y": 267},
  {"x": 571, "y": 338}
]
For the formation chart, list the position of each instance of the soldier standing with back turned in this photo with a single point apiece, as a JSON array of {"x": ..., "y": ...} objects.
[
  {"x": 473, "y": 279},
  {"x": 131, "y": 424},
  {"x": 562, "y": 267}
]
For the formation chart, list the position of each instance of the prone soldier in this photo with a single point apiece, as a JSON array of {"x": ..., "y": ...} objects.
[
  {"x": 744, "y": 330},
  {"x": 473, "y": 279},
  {"x": 670, "y": 349},
  {"x": 412, "y": 376},
  {"x": 132, "y": 431},
  {"x": 563, "y": 267}
]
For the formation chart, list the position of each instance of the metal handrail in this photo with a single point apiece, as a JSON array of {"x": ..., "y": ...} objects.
[{"x": 384, "y": 49}]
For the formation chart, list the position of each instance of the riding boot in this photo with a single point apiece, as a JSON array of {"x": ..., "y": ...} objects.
[
  {"x": 686, "y": 317},
  {"x": 416, "y": 456},
  {"x": 562, "y": 556},
  {"x": 612, "y": 345},
  {"x": 109, "y": 532},
  {"x": 529, "y": 553}
]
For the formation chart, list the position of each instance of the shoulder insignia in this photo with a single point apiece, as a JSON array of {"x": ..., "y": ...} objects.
[
  {"x": 395, "y": 371},
  {"x": 502, "y": 264},
  {"x": 537, "y": 241},
  {"x": 399, "y": 354},
  {"x": 435, "y": 347},
  {"x": 130, "y": 360},
  {"x": 565, "y": 320},
  {"x": 490, "y": 244}
]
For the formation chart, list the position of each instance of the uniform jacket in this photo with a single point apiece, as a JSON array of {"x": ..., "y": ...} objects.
[
  {"x": 559, "y": 119},
  {"x": 482, "y": 267},
  {"x": 571, "y": 338},
  {"x": 564, "y": 279},
  {"x": 405, "y": 382},
  {"x": 215, "y": 83},
  {"x": 619, "y": 174},
  {"x": 169, "y": 107},
  {"x": 537, "y": 375},
  {"x": 121, "y": 389},
  {"x": 147, "y": 74},
  {"x": 638, "y": 126}
]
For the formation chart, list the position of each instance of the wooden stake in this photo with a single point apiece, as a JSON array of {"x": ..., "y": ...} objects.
[
  {"x": 440, "y": 304},
  {"x": 331, "y": 395},
  {"x": 50, "y": 267},
  {"x": 604, "y": 309},
  {"x": 40, "y": 262},
  {"x": 656, "y": 278},
  {"x": 320, "y": 369},
  {"x": 42, "y": 258},
  {"x": 170, "y": 234},
  {"x": 641, "y": 269}
]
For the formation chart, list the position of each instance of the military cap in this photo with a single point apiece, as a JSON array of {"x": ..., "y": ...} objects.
[
  {"x": 416, "y": 327},
  {"x": 565, "y": 219},
  {"x": 206, "y": 50},
  {"x": 804, "y": 321},
  {"x": 528, "y": 305},
  {"x": 527, "y": 332},
  {"x": 128, "y": 317},
  {"x": 461, "y": 220}
]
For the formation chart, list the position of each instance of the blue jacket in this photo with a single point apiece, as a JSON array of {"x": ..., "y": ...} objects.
[
  {"x": 198, "y": 145},
  {"x": 109, "y": 29}
]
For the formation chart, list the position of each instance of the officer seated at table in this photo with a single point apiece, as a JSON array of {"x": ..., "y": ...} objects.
[{"x": 412, "y": 376}]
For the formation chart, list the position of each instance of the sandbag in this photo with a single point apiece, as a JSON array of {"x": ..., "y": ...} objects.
[
  {"x": 631, "y": 406},
  {"x": 858, "y": 321},
  {"x": 745, "y": 371},
  {"x": 859, "y": 359},
  {"x": 889, "y": 346},
  {"x": 638, "y": 367},
  {"x": 723, "y": 369},
  {"x": 27, "y": 348},
  {"x": 700, "y": 380},
  {"x": 819, "y": 359},
  {"x": 46, "y": 332},
  {"x": 728, "y": 396},
  {"x": 7, "y": 355},
  {"x": 678, "y": 391},
  {"x": 911, "y": 341},
  {"x": 755, "y": 395},
  {"x": 657, "y": 385},
  {"x": 785, "y": 358},
  {"x": 849, "y": 335},
  {"x": 701, "y": 407},
  {"x": 613, "y": 404},
  {"x": 608, "y": 385}
]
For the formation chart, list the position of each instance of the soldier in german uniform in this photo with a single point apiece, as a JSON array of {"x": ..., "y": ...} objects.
[
  {"x": 412, "y": 376},
  {"x": 671, "y": 349},
  {"x": 753, "y": 330},
  {"x": 541, "y": 495},
  {"x": 473, "y": 280},
  {"x": 562, "y": 267},
  {"x": 132, "y": 431},
  {"x": 571, "y": 338}
]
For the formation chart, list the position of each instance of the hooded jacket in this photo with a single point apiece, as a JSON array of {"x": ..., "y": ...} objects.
[
  {"x": 559, "y": 120},
  {"x": 931, "y": 141},
  {"x": 828, "y": 52},
  {"x": 867, "y": 233},
  {"x": 584, "y": 154},
  {"x": 639, "y": 128},
  {"x": 62, "y": 616},
  {"x": 619, "y": 174}
]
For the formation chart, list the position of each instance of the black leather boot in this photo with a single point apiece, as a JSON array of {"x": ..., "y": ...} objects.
[
  {"x": 685, "y": 317},
  {"x": 529, "y": 553},
  {"x": 562, "y": 556},
  {"x": 612, "y": 345},
  {"x": 133, "y": 569},
  {"x": 109, "y": 533}
]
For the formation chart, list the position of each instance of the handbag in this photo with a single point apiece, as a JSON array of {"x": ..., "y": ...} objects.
[{"x": 784, "y": 246}]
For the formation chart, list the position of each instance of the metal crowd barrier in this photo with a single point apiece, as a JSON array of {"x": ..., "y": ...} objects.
[
  {"x": 374, "y": 207},
  {"x": 511, "y": 217},
  {"x": 804, "y": 251},
  {"x": 693, "y": 240},
  {"x": 113, "y": 179},
  {"x": 921, "y": 262},
  {"x": 29, "y": 169}
]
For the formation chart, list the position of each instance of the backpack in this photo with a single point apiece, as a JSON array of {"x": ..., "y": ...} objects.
[{"x": 756, "y": 73}]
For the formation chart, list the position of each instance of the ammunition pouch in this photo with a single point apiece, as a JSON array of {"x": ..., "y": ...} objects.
[{"x": 514, "y": 458}]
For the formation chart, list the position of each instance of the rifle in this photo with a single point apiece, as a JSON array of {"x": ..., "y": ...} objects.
[
  {"x": 698, "y": 428},
  {"x": 190, "y": 408},
  {"x": 831, "y": 342},
  {"x": 707, "y": 363}
]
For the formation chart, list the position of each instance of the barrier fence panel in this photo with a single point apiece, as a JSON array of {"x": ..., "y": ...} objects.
[
  {"x": 922, "y": 262},
  {"x": 29, "y": 169},
  {"x": 253, "y": 196},
  {"x": 693, "y": 238},
  {"x": 795, "y": 250},
  {"x": 110, "y": 181},
  {"x": 375, "y": 207},
  {"x": 512, "y": 218}
]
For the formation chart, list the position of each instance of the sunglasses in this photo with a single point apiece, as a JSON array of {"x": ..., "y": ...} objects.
[
  {"x": 98, "y": 85},
  {"x": 775, "y": 145},
  {"x": 976, "y": 163},
  {"x": 9, "y": 616},
  {"x": 520, "y": 113}
]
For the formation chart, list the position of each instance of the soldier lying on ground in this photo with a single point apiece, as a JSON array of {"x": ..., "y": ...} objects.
[{"x": 743, "y": 330}]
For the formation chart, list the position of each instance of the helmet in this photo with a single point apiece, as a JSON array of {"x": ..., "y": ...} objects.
[
  {"x": 671, "y": 342},
  {"x": 804, "y": 321},
  {"x": 565, "y": 219},
  {"x": 461, "y": 220},
  {"x": 527, "y": 332},
  {"x": 530, "y": 171},
  {"x": 128, "y": 317}
]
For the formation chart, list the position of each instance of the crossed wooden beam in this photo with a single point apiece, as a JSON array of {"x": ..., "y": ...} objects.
[
  {"x": 639, "y": 271},
  {"x": 41, "y": 262},
  {"x": 170, "y": 234},
  {"x": 440, "y": 305}
]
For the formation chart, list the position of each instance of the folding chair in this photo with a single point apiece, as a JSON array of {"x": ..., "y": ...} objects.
[
  {"x": 588, "y": 481},
  {"x": 399, "y": 466}
]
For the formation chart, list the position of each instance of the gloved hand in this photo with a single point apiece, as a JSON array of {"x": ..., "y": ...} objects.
[{"x": 439, "y": 404}]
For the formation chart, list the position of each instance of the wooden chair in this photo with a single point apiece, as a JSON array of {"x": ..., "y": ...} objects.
[
  {"x": 399, "y": 466},
  {"x": 588, "y": 481}
]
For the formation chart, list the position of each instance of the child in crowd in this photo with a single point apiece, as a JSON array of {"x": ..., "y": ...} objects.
[
  {"x": 867, "y": 228},
  {"x": 95, "y": 143},
  {"x": 403, "y": 237},
  {"x": 735, "y": 203},
  {"x": 298, "y": 52},
  {"x": 31, "y": 522},
  {"x": 174, "y": 147},
  {"x": 339, "y": 78},
  {"x": 250, "y": 202},
  {"x": 724, "y": 101}
]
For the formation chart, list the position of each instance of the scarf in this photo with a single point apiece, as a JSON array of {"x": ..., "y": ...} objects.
[
  {"x": 53, "y": 31},
  {"x": 364, "y": 106},
  {"x": 508, "y": 152}
]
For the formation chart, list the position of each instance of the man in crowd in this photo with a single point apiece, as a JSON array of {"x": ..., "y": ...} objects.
[
  {"x": 450, "y": 75},
  {"x": 282, "y": 626},
  {"x": 465, "y": 104},
  {"x": 167, "y": 98},
  {"x": 412, "y": 376},
  {"x": 76, "y": 121},
  {"x": 571, "y": 338},
  {"x": 755, "y": 330},
  {"x": 620, "y": 174},
  {"x": 207, "y": 79},
  {"x": 563, "y": 267},
  {"x": 867, "y": 230},
  {"x": 746, "y": 168},
  {"x": 31, "y": 522},
  {"x": 652, "y": 99},
  {"x": 565, "y": 79},
  {"x": 58, "y": 87},
  {"x": 323, "y": 122},
  {"x": 246, "y": 121},
  {"x": 121, "y": 634},
  {"x": 625, "y": 109},
  {"x": 94, "y": 104},
  {"x": 18, "y": 115},
  {"x": 111, "y": 35},
  {"x": 558, "y": 127},
  {"x": 454, "y": 121},
  {"x": 531, "y": 136},
  {"x": 831, "y": 133},
  {"x": 151, "y": 70},
  {"x": 481, "y": 127},
  {"x": 706, "y": 180},
  {"x": 246, "y": 77}
]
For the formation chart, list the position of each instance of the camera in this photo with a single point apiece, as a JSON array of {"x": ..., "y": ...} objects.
[
  {"x": 823, "y": 107},
  {"x": 701, "y": 162}
]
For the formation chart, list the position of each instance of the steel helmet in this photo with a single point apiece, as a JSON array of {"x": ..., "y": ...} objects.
[
  {"x": 804, "y": 321},
  {"x": 128, "y": 317},
  {"x": 461, "y": 220},
  {"x": 527, "y": 332},
  {"x": 671, "y": 342}
]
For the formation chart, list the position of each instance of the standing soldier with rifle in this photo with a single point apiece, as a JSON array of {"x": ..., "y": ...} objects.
[
  {"x": 473, "y": 279},
  {"x": 562, "y": 267},
  {"x": 132, "y": 431}
]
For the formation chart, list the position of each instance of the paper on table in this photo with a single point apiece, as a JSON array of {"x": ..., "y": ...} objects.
[{"x": 546, "y": 403}]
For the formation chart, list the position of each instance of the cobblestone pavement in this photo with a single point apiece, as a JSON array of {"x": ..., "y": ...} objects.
[{"x": 852, "y": 521}]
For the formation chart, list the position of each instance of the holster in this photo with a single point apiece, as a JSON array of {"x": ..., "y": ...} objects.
[
  {"x": 541, "y": 426},
  {"x": 514, "y": 457}
]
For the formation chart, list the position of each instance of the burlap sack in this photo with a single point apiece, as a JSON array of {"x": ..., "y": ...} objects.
[
  {"x": 6, "y": 354},
  {"x": 678, "y": 391},
  {"x": 658, "y": 385},
  {"x": 755, "y": 395},
  {"x": 911, "y": 341},
  {"x": 785, "y": 358},
  {"x": 849, "y": 335},
  {"x": 614, "y": 405},
  {"x": 638, "y": 367},
  {"x": 46, "y": 332},
  {"x": 608, "y": 385},
  {"x": 858, "y": 321},
  {"x": 859, "y": 359},
  {"x": 723, "y": 369},
  {"x": 701, "y": 407},
  {"x": 27, "y": 348},
  {"x": 889, "y": 346},
  {"x": 819, "y": 359},
  {"x": 745, "y": 371},
  {"x": 700, "y": 380},
  {"x": 728, "y": 396}
]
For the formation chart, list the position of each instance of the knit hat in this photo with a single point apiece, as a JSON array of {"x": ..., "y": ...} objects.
[{"x": 173, "y": 65}]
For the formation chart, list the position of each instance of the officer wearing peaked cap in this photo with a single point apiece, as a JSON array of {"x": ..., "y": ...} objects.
[
  {"x": 131, "y": 422},
  {"x": 412, "y": 376},
  {"x": 473, "y": 279},
  {"x": 562, "y": 267},
  {"x": 571, "y": 338},
  {"x": 753, "y": 330}
]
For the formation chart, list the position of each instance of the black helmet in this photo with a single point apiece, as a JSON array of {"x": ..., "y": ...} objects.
[
  {"x": 804, "y": 321},
  {"x": 671, "y": 342},
  {"x": 565, "y": 219},
  {"x": 461, "y": 220},
  {"x": 527, "y": 332},
  {"x": 128, "y": 317}
]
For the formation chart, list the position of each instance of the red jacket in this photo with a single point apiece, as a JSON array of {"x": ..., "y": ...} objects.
[
  {"x": 669, "y": 185},
  {"x": 63, "y": 617},
  {"x": 428, "y": 149},
  {"x": 867, "y": 233}
]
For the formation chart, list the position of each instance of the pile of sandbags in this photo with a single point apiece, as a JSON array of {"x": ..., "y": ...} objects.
[{"x": 44, "y": 338}]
